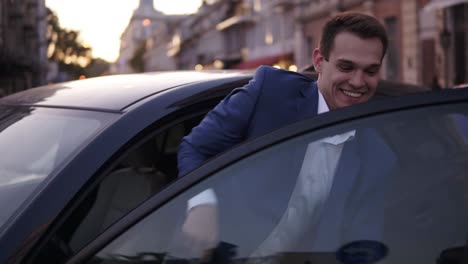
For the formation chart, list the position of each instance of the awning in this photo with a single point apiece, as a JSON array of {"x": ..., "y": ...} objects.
[
  {"x": 269, "y": 60},
  {"x": 438, "y": 4}
]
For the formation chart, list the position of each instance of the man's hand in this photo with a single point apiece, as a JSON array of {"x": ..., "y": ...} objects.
[{"x": 201, "y": 229}]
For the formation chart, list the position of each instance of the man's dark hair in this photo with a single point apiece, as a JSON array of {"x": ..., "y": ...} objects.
[{"x": 364, "y": 26}]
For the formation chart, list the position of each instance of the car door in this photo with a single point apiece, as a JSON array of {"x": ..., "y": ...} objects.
[{"x": 394, "y": 190}]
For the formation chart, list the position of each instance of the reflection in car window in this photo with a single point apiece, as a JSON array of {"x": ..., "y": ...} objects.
[
  {"x": 391, "y": 188},
  {"x": 34, "y": 142}
]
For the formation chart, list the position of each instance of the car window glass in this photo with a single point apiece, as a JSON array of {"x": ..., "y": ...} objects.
[
  {"x": 142, "y": 172},
  {"x": 34, "y": 142},
  {"x": 386, "y": 189}
]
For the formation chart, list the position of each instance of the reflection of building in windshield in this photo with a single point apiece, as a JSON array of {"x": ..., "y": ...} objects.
[{"x": 10, "y": 115}]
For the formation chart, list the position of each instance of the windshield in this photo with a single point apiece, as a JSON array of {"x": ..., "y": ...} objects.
[{"x": 34, "y": 142}]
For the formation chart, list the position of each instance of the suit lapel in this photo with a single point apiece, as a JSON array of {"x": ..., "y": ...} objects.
[{"x": 307, "y": 103}]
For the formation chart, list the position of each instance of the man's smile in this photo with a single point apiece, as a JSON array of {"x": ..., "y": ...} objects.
[{"x": 353, "y": 94}]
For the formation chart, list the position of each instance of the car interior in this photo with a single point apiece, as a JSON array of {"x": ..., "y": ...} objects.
[
  {"x": 140, "y": 173},
  {"x": 143, "y": 172}
]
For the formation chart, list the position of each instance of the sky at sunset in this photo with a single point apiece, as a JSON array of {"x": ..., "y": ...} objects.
[{"x": 101, "y": 22}]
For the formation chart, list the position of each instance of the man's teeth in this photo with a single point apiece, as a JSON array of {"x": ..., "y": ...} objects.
[{"x": 352, "y": 94}]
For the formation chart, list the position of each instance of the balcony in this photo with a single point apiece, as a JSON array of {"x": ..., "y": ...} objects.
[
  {"x": 173, "y": 47},
  {"x": 16, "y": 10},
  {"x": 29, "y": 22},
  {"x": 235, "y": 21},
  {"x": 311, "y": 9},
  {"x": 15, "y": 59},
  {"x": 283, "y": 5},
  {"x": 440, "y": 4}
]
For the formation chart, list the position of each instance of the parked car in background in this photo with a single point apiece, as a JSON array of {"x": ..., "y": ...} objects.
[{"x": 88, "y": 172}]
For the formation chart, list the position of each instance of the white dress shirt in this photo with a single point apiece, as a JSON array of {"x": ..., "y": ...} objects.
[{"x": 310, "y": 192}]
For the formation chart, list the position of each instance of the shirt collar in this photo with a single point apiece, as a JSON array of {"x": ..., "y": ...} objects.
[
  {"x": 322, "y": 105},
  {"x": 337, "y": 139}
]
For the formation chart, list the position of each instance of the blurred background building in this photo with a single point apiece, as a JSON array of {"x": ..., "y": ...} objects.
[
  {"x": 428, "y": 38},
  {"x": 23, "y": 45},
  {"x": 147, "y": 32}
]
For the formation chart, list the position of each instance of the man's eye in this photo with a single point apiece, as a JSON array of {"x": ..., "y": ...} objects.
[
  {"x": 372, "y": 71},
  {"x": 345, "y": 68}
]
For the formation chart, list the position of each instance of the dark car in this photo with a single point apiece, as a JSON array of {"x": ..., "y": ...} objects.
[{"x": 86, "y": 167}]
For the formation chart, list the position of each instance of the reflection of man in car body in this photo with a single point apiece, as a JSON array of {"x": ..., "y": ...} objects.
[{"x": 348, "y": 61}]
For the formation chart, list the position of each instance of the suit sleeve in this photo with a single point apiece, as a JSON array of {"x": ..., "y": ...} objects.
[{"x": 223, "y": 127}]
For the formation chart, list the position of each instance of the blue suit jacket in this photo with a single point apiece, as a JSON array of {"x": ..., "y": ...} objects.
[
  {"x": 272, "y": 99},
  {"x": 275, "y": 98}
]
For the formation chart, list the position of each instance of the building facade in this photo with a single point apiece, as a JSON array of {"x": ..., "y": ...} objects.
[
  {"x": 270, "y": 38},
  {"x": 156, "y": 57},
  {"x": 197, "y": 44},
  {"x": 450, "y": 38},
  {"x": 141, "y": 34},
  {"x": 427, "y": 38},
  {"x": 23, "y": 45}
]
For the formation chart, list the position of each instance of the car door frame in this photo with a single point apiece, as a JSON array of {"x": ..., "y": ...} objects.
[{"x": 250, "y": 147}]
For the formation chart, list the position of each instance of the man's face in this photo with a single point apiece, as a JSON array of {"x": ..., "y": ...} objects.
[{"x": 351, "y": 73}]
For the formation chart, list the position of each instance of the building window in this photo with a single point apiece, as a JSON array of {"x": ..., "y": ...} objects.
[
  {"x": 257, "y": 5},
  {"x": 392, "y": 62},
  {"x": 309, "y": 46},
  {"x": 146, "y": 22},
  {"x": 269, "y": 38},
  {"x": 460, "y": 36}
]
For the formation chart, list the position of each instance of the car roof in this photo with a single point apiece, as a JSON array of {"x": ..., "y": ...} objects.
[{"x": 115, "y": 92}]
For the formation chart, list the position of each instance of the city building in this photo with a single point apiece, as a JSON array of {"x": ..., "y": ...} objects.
[
  {"x": 427, "y": 38},
  {"x": 197, "y": 44},
  {"x": 23, "y": 45},
  {"x": 139, "y": 36},
  {"x": 156, "y": 57},
  {"x": 444, "y": 36},
  {"x": 260, "y": 32}
]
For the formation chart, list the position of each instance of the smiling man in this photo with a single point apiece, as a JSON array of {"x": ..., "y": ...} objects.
[{"x": 348, "y": 61}]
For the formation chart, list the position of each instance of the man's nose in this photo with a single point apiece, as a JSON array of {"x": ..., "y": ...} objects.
[{"x": 357, "y": 79}]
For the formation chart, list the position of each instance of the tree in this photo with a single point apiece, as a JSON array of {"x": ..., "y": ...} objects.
[
  {"x": 65, "y": 48},
  {"x": 97, "y": 67}
]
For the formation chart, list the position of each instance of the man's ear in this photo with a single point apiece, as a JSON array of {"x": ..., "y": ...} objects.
[{"x": 318, "y": 59}]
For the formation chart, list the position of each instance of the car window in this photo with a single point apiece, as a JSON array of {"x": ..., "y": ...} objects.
[
  {"x": 391, "y": 188},
  {"x": 34, "y": 142},
  {"x": 150, "y": 165}
]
